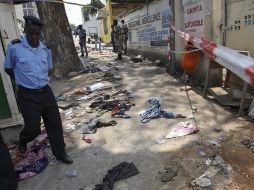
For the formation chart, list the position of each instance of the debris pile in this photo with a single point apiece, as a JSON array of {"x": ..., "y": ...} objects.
[
  {"x": 93, "y": 67},
  {"x": 248, "y": 142},
  {"x": 218, "y": 166}
]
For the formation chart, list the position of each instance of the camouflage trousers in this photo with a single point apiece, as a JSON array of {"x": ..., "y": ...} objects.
[
  {"x": 119, "y": 45},
  {"x": 125, "y": 46}
]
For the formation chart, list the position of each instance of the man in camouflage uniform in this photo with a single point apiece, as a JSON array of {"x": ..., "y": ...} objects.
[
  {"x": 124, "y": 34},
  {"x": 81, "y": 32},
  {"x": 113, "y": 38},
  {"x": 118, "y": 39}
]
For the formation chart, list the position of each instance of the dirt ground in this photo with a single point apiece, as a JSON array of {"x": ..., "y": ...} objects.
[{"x": 133, "y": 141}]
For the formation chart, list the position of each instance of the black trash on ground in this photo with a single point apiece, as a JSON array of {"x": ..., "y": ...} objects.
[
  {"x": 137, "y": 59},
  {"x": 120, "y": 172},
  {"x": 92, "y": 126}
]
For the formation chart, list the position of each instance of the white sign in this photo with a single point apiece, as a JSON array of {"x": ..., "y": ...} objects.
[
  {"x": 152, "y": 27},
  {"x": 194, "y": 18},
  {"x": 188, "y": 2}
]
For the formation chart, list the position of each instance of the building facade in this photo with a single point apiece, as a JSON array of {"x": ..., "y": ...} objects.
[
  {"x": 9, "y": 112},
  {"x": 240, "y": 25},
  {"x": 25, "y": 9}
]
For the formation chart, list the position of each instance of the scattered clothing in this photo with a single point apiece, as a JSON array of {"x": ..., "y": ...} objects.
[
  {"x": 36, "y": 160},
  {"x": 60, "y": 98},
  {"x": 93, "y": 67},
  {"x": 88, "y": 141},
  {"x": 119, "y": 111},
  {"x": 154, "y": 111},
  {"x": 120, "y": 172},
  {"x": 182, "y": 129},
  {"x": 108, "y": 104},
  {"x": 122, "y": 116},
  {"x": 91, "y": 126}
]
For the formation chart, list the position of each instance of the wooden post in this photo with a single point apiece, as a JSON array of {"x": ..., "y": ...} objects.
[
  {"x": 207, "y": 79},
  {"x": 245, "y": 87}
]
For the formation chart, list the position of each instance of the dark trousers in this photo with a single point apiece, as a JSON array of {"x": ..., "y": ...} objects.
[
  {"x": 114, "y": 45},
  {"x": 82, "y": 46},
  {"x": 8, "y": 180},
  {"x": 34, "y": 105}
]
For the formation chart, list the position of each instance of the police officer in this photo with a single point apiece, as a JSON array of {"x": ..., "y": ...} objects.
[
  {"x": 8, "y": 180},
  {"x": 118, "y": 40},
  {"x": 113, "y": 38},
  {"x": 28, "y": 61},
  {"x": 124, "y": 34},
  {"x": 81, "y": 32}
]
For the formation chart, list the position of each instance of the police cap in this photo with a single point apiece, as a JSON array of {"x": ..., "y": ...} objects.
[{"x": 32, "y": 20}]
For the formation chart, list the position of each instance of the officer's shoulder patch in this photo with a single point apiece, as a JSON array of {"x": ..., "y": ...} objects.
[
  {"x": 46, "y": 45},
  {"x": 16, "y": 41}
]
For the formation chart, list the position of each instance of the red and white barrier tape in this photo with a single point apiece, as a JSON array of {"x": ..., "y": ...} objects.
[{"x": 240, "y": 64}]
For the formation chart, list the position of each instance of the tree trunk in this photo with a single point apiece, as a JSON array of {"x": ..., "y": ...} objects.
[{"x": 58, "y": 36}]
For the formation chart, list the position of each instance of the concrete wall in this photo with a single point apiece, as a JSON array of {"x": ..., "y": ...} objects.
[
  {"x": 240, "y": 28},
  {"x": 92, "y": 26},
  {"x": 149, "y": 30},
  {"x": 9, "y": 32},
  {"x": 157, "y": 48},
  {"x": 212, "y": 20}
]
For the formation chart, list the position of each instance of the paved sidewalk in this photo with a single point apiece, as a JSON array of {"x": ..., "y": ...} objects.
[{"x": 133, "y": 141}]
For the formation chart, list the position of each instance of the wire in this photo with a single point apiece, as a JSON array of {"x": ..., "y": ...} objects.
[
  {"x": 62, "y": 2},
  {"x": 193, "y": 113}
]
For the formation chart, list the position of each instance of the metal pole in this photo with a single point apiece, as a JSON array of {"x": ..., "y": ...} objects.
[
  {"x": 147, "y": 4},
  {"x": 245, "y": 87}
]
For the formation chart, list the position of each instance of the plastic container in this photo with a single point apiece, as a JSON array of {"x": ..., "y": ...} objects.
[{"x": 72, "y": 173}]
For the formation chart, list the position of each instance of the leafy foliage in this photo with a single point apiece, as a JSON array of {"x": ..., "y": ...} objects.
[{"x": 90, "y": 10}]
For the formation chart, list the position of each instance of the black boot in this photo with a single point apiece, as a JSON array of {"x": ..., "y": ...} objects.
[
  {"x": 119, "y": 57},
  {"x": 22, "y": 148},
  {"x": 82, "y": 55},
  {"x": 64, "y": 158}
]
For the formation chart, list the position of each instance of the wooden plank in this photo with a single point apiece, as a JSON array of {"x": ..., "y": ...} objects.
[{"x": 225, "y": 98}]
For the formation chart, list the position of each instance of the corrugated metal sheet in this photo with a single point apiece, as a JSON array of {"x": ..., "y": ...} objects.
[
  {"x": 130, "y": 1},
  {"x": 14, "y": 1}
]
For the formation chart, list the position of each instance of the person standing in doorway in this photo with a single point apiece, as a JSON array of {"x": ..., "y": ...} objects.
[
  {"x": 28, "y": 62},
  {"x": 124, "y": 34},
  {"x": 81, "y": 32}
]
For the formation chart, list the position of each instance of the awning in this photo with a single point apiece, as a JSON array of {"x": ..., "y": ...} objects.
[
  {"x": 14, "y": 1},
  {"x": 131, "y": 1}
]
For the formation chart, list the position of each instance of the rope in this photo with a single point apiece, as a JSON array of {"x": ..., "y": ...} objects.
[
  {"x": 62, "y": 2},
  {"x": 185, "y": 89},
  {"x": 185, "y": 52}
]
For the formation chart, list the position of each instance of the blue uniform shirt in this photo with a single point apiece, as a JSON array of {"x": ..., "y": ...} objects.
[{"x": 30, "y": 65}]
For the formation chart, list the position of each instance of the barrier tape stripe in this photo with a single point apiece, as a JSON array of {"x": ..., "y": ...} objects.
[{"x": 240, "y": 64}]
